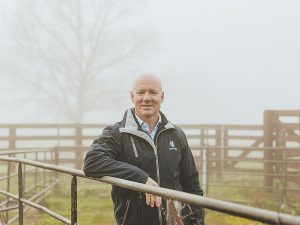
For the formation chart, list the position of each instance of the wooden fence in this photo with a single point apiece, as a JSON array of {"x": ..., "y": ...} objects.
[{"x": 218, "y": 149}]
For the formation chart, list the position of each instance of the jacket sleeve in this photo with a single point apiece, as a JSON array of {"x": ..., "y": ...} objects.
[
  {"x": 102, "y": 158},
  {"x": 189, "y": 179}
]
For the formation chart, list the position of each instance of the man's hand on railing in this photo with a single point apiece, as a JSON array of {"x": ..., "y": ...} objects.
[{"x": 151, "y": 199}]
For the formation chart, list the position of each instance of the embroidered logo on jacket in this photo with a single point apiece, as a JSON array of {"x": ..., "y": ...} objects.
[{"x": 172, "y": 145}]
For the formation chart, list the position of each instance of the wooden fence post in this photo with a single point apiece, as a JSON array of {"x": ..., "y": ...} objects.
[
  {"x": 12, "y": 144},
  {"x": 78, "y": 150},
  {"x": 268, "y": 142},
  {"x": 12, "y": 138},
  {"x": 225, "y": 144},
  {"x": 202, "y": 143},
  {"x": 218, "y": 155}
]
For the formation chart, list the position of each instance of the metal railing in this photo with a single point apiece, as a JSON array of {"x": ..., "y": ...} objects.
[
  {"x": 37, "y": 196},
  {"x": 261, "y": 215}
]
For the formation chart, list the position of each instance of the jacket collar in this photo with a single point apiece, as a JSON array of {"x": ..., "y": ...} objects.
[
  {"x": 131, "y": 125},
  {"x": 130, "y": 121}
]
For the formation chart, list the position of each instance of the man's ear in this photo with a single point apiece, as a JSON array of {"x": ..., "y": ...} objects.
[
  {"x": 162, "y": 97},
  {"x": 131, "y": 96}
]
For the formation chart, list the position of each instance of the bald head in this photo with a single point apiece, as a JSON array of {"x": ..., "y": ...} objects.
[{"x": 147, "y": 78}]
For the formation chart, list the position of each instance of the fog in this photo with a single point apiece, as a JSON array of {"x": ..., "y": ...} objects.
[{"x": 219, "y": 61}]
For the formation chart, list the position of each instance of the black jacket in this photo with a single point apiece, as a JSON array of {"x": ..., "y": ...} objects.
[{"x": 125, "y": 151}]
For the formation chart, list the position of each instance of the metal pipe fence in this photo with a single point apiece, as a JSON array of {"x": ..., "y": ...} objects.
[
  {"x": 24, "y": 171},
  {"x": 261, "y": 215},
  {"x": 206, "y": 170}
]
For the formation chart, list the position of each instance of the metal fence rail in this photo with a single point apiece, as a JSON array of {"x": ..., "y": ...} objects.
[
  {"x": 33, "y": 189},
  {"x": 44, "y": 209},
  {"x": 261, "y": 215}
]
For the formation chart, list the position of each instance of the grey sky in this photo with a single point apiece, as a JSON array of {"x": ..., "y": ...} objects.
[{"x": 220, "y": 61}]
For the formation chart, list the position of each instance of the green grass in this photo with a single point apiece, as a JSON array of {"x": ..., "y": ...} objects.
[
  {"x": 256, "y": 197},
  {"x": 95, "y": 206},
  {"x": 214, "y": 218}
]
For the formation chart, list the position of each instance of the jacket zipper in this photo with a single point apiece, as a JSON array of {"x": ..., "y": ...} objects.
[
  {"x": 158, "y": 177},
  {"x": 126, "y": 210},
  {"x": 158, "y": 182},
  {"x": 157, "y": 165},
  {"x": 134, "y": 148}
]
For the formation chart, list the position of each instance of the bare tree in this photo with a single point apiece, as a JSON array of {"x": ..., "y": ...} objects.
[{"x": 67, "y": 52}]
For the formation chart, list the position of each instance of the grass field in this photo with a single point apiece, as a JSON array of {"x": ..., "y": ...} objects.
[{"x": 95, "y": 206}]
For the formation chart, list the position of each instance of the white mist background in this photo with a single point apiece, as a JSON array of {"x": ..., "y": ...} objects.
[{"x": 220, "y": 62}]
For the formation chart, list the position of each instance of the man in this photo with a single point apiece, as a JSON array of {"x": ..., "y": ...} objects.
[{"x": 146, "y": 148}]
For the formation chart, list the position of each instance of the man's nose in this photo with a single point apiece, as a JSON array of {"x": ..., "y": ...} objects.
[{"x": 147, "y": 97}]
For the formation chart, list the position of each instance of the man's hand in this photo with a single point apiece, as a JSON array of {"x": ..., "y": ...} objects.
[{"x": 151, "y": 199}]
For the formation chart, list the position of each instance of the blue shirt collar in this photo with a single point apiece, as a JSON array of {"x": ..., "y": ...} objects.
[
  {"x": 145, "y": 125},
  {"x": 141, "y": 122}
]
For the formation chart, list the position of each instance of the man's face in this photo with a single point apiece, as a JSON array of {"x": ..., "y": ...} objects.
[{"x": 147, "y": 97}]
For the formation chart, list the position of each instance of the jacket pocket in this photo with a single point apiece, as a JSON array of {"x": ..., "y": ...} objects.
[
  {"x": 132, "y": 212},
  {"x": 126, "y": 210}
]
